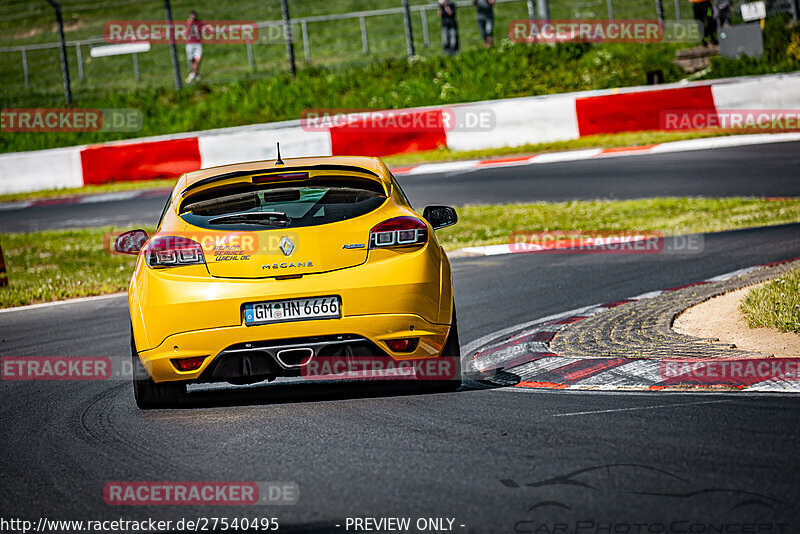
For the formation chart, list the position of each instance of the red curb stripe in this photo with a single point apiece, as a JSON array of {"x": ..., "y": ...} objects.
[
  {"x": 510, "y": 159},
  {"x": 581, "y": 370},
  {"x": 54, "y": 202},
  {"x": 677, "y": 288},
  {"x": 536, "y": 384},
  {"x": 570, "y": 320},
  {"x": 542, "y": 336},
  {"x": 622, "y": 149}
]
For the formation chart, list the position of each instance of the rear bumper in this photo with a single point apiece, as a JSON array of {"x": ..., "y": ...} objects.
[{"x": 210, "y": 343}]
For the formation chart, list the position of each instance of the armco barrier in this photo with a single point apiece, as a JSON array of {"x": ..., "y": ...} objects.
[{"x": 518, "y": 121}]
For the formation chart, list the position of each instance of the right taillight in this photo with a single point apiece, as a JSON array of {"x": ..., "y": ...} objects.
[
  {"x": 173, "y": 251},
  {"x": 398, "y": 232}
]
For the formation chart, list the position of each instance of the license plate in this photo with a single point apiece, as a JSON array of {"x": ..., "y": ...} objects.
[{"x": 281, "y": 311}]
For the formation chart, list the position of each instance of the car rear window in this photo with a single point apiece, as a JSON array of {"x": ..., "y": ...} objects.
[{"x": 283, "y": 204}]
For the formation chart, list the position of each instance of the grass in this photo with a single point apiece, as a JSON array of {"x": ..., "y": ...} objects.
[
  {"x": 443, "y": 154},
  {"x": 775, "y": 304},
  {"x": 115, "y": 187},
  {"x": 491, "y": 225},
  {"x": 55, "y": 265},
  {"x": 26, "y": 22},
  {"x": 61, "y": 264},
  {"x": 515, "y": 70}
]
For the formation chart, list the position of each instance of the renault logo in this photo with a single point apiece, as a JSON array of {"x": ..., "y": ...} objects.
[{"x": 286, "y": 246}]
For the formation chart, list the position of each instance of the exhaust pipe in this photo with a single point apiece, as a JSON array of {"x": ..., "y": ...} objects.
[{"x": 294, "y": 358}]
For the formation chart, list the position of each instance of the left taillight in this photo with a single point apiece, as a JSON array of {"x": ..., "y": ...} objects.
[
  {"x": 398, "y": 232},
  {"x": 173, "y": 251}
]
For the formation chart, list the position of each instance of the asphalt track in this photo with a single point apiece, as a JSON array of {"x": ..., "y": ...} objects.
[
  {"x": 760, "y": 170},
  {"x": 496, "y": 460}
]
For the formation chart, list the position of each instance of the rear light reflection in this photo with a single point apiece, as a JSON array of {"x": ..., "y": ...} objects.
[
  {"x": 398, "y": 232},
  {"x": 188, "y": 364},
  {"x": 402, "y": 345},
  {"x": 173, "y": 251}
]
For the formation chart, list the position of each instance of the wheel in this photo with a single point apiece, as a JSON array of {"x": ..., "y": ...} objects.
[
  {"x": 150, "y": 395},
  {"x": 452, "y": 351}
]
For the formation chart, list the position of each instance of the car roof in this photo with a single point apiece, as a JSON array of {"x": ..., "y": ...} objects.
[{"x": 373, "y": 165}]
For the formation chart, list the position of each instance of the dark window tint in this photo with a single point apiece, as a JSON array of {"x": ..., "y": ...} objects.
[{"x": 284, "y": 204}]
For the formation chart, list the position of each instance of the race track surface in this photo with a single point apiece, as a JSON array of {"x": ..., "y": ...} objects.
[
  {"x": 755, "y": 170},
  {"x": 496, "y": 460}
]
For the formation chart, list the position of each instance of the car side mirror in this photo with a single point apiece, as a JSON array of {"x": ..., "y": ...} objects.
[
  {"x": 130, "y": 242},
  {"x": 440, "y": 216}
]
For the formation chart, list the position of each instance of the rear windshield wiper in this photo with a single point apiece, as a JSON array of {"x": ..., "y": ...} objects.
[{"x": 263, "y": 218}]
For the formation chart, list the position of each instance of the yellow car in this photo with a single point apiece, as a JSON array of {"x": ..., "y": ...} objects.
[{"x": 281, "y": 268}]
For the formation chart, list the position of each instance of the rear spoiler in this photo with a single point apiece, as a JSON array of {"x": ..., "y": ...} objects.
[{"x": 273, "y": 170}]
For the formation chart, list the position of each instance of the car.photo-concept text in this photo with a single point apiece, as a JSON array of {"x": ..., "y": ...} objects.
[{"x": 290, "y": 268}]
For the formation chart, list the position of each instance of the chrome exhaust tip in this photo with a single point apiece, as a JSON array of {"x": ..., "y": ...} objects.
[{"x": 294, "y": 357}]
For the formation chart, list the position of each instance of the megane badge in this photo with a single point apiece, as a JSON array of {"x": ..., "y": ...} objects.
[{"x": 286, "y": 246}]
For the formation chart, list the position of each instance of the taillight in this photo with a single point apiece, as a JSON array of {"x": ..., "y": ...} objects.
[
  {"x": 402, "y": 345},
  {"x": 173, "y": 251},
  {"x": 188, "y": 364},
  {"x": 398, "y": 232}
]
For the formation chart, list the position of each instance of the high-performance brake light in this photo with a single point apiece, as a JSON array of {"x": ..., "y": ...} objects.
[
  {"x": 173, "y": 251},
  {"x": 398, "y": 232}
]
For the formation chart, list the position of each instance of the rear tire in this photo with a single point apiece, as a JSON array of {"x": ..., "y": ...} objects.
[
  {"x": 452, "y": 351},
  {"x": 151, "y": 395}
]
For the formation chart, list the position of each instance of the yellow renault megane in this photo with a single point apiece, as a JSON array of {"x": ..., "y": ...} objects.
[{"x": 261, "y": 270}]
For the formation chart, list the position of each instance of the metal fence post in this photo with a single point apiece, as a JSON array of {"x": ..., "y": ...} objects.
[
  {"x": 660, "y": 10},
  {"x": 287, "y": 34},
  {"x": 610, "y": 4},
  {"x": 25, "y": 67},
  {"x": 80, "y": 62},
  {"x": 409, "y": 31},
  {"x": 795, "y": 5},
  {"x": 426, "y": 38},
  {"x": 364, "y": 41},
  {"x": 544, "y": 9},
  {"x": 172, "y": 48},
  {"x": 136, "y": 66},
  {"x": 64, "y": 64},
  {"x": 677, "y": 9},
  {"x": 306, "y": 48},
  {"x": 250, "y": 60},
  {"x": 531, "y": 10}
]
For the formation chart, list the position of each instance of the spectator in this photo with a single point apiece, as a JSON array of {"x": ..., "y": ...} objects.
[
  {"x": 704, "y": 13},
  {"x": 194, "y": 46},
  {"x": 723, "y": 13},
  {"x": 447, "y": 12},
  {"x": 485, "y": 20}
]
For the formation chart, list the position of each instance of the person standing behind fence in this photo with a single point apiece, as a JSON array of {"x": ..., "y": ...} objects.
[
  {"x": 704, "y": 13},
  {"x": 485, "y": 20},
  {"x": 194, "y": 46},
  {"x": 447, "y": 12}
]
